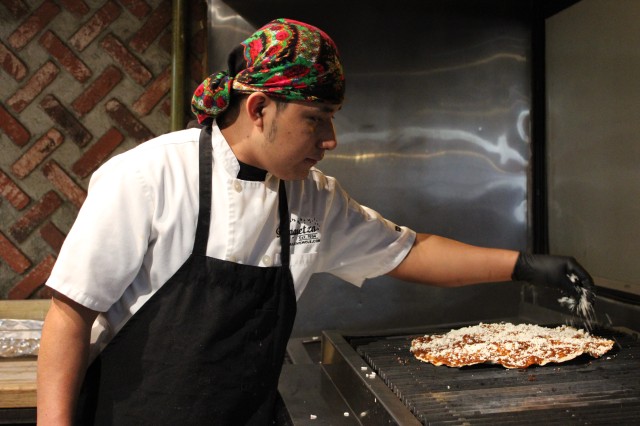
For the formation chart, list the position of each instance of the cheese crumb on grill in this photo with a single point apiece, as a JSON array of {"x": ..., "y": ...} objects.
[{"x": 513, "y": 346}]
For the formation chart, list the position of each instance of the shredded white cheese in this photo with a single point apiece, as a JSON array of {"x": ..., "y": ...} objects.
[
  {"x": 581, "y": 307},
  {"x": 513, "y": 346}
]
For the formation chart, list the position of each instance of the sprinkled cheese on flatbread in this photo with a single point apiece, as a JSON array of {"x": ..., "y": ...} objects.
[{"x": 513, "y": 346}]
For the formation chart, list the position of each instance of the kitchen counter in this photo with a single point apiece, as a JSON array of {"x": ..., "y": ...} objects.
[
  {"x": 18, "y": 382},
  {"x": 18, "y": 375},
  {"x": 18, "y": 391}
]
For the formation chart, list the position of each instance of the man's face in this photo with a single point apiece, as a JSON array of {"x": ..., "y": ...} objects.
[{"x": 296, "y": 138}]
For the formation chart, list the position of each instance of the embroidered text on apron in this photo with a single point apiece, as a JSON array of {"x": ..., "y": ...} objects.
[{"x": 207, "y": 348}]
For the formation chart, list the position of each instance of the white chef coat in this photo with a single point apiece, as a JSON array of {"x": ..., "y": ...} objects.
[{"x": 137, "y": 226}]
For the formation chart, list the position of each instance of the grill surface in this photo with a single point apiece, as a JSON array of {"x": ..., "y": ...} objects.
[{"x": 582, "y": 391}]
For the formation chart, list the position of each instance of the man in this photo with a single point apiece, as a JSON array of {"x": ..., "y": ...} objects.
[{"x": 182, "y": 269}]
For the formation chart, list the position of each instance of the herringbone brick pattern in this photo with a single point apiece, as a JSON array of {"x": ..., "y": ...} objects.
[{"x": 80, "y": 81}]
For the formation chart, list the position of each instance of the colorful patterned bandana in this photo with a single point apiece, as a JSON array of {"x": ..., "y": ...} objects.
[{"x": 286, "y": 59}]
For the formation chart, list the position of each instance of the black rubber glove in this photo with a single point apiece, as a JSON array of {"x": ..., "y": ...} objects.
[{"x": 562, "y": 272}]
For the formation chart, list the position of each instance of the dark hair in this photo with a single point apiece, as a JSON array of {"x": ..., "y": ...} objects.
[{"x": 230, "y": 115}]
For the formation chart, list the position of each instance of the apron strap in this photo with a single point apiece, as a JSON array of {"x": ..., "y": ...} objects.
[
  {"x": 283, "y": 211},
  {"x": 205, "y": 176}
]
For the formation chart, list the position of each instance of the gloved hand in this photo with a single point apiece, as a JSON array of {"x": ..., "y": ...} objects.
[{"x": 562, "y": 272}]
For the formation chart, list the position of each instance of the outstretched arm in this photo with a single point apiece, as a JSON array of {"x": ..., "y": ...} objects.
[{"x": 445, "y": 262}]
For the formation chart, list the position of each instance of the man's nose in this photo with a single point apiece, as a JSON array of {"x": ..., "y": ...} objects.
[
  {"x": 328, "y": 140},
  {"x": 329, "y": 144}
]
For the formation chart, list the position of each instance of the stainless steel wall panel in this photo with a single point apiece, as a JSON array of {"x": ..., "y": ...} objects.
[{"x": 434, "y": 134}]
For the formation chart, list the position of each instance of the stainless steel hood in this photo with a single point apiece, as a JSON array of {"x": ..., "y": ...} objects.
[{"x": 434, "y": 134}]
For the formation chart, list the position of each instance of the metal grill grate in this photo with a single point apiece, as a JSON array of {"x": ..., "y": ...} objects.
[{"x": 582, "y": 391}]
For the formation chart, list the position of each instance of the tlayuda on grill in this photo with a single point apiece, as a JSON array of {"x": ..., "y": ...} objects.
[{"x": 513, "y": 346}]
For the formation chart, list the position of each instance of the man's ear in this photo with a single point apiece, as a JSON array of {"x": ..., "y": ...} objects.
[{"x": 256, "y": 103}]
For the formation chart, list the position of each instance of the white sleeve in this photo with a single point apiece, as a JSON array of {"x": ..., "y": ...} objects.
[
  {"x": 105, "y": 248},
  {"x": 359, "y": 243}
]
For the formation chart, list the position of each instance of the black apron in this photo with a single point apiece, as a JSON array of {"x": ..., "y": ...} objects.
[{"x": 207, "y": 348}]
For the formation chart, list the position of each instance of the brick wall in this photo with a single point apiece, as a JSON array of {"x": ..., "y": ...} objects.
[{"x": 80, "y": 81}]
